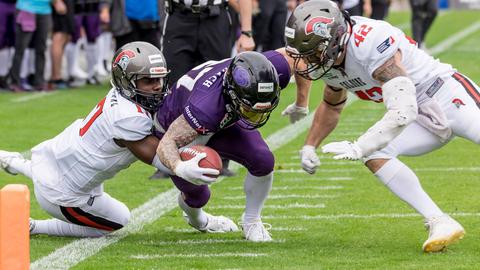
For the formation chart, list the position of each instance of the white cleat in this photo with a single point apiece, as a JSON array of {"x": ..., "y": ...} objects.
[
  {"x": 6, "y": 158},
  {"x": 256, "y": 231},
  {"x": 215, "y": 224},
  {"x": 443, "y": 231}
]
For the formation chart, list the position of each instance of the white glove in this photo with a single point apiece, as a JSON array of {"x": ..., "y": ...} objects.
[
  {"x": 295, "y": 112},
  {"x": 343, "y": 150},
  {"x": 190, "y": 171},
  {"x": 309, "y": 158}
]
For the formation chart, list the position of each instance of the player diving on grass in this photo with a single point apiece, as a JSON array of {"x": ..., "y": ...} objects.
[
  {"x": 68, "y": 171},
  {"x": 428, "y": 102},
  {"x": 222, "y": 104}
]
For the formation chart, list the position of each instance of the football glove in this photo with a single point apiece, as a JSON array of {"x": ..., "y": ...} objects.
[
  {"x": 295, "y": 112},
  {"x": 309, "y": 158},
  {"x": 343, "y": 150},
  {"x": 193, "y": 173}
]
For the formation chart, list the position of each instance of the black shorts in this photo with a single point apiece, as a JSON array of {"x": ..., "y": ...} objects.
[{"x": 65, "y": 23}]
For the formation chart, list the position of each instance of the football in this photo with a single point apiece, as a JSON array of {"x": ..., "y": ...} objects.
[{"x": 212, "y": 160}]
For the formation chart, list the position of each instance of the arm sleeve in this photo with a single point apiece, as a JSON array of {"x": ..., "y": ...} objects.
[{"x": 132, "y": 128}]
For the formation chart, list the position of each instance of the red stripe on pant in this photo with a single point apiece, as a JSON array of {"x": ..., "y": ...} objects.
[
  {"x": 85, "y": 220},
  {"x": 471, "y": 90}
]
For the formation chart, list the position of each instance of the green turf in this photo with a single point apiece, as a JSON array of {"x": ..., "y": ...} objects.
[{"x": 346, "y": 243}]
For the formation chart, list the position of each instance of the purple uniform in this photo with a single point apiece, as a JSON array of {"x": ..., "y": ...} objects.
[
  {"x": 7, "y": 23},
  {"x": 198, "y": 95}
]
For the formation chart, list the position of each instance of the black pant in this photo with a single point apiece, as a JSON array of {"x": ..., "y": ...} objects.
[
  {"x": 141, "y": 31},
  {"x": 380, "y": 9},
  {"x": 423, "y": 14},
  {"x": 269, "y": 25},
  {"x": 190, "y": 39},
  {"x": 39, "y": 38}
]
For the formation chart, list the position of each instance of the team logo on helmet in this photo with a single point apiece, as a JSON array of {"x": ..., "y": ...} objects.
[
  {"x": 318, "y": 26},
  {"x": 123, "y": 58}
]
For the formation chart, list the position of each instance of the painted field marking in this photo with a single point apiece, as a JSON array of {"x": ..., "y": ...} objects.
[
  {"x": 206, "y": 241},
  {"x": 190, "y": 255},
  {"x": 272, "y": 206},
  {"x": 300, "y": 179},
  {"x": 288, "y": 196},
  {"x": 277, "y": 229},
  {"x": 33, "y": 96},
  {"x": 360, "y": 216},
  {"x": 296, "y": 187}
]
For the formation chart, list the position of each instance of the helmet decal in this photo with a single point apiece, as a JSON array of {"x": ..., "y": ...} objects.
[
  {"x": 265, "y": 87},
  {"x": 289, "y": 32},
  {"x": 241, "y": 76},
  {"x": 262, "y": 105},
  {"x": 318, "y": 26},
  {"x": 158, "y": 70},
  {"x": 123, "y": 58},
  {"x": 155, "y": 58}
]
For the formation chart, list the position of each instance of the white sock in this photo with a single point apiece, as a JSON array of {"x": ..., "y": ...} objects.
[
  {"x": 21, "y": 165},
  {"x": 256, "y": 190},
  {"x": 5, "y": 60},
  {"x": 196, "y": 216},
  {"x": 403, "y": 182},
  {"x": 91, "y": 51},
  {"x": 24, "y": 69},
  {"x": 58, "y": 227},
  {"x": 70, "y": 54}
]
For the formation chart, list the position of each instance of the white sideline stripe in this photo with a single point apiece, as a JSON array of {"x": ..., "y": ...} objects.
[
  {"x": 275, "y": 229},
  {"x": 449, "y": 42},
  {"x": 288, "y": 196},
  {"x": 447, "y": 169},
  {"x": 299, "y": 179},
  {"x": 33, "y": 96},
  {"x": 79, "y": 250},
  {"x": 358, "y": 216},
  {"x": 296, "y": 187},
  {"x": 297, "y": 164},
  {"x": 273, "y": 206},
  {"x": 190, "y": 255},
  {"x": 322, "y": 170},
  {"x": 204, "y": 241}
]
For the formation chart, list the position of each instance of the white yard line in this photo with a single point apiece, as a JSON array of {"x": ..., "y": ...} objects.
[
  {"x": 359, "y": 216},
  {"x": 295, "y": 187},
  {"x": 202, "y": 255},
  {"x": 203, "y": 242},
  {"x": 275, "y": 229},
  {"x": 271, "y": 206},
  {"x": 33, "y": 96},
  {"x": 449, "y": 42},
  {"x": 308, "y": 178},
  {"x": 321, "y": 170},
  {"x": 287, "y": 196},
  {"x": 297, "y": 164}
]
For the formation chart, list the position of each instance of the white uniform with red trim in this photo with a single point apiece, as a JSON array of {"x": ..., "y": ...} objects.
[
  {"x": 448, "y": 101},
  {"x": 70, "y": 168}
]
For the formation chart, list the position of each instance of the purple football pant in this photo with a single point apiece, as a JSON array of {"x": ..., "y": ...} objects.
[
  {"x": 246, "y": 147},
  {"x": 7, "y": 25},
  {"x": 91, "y": 24}
]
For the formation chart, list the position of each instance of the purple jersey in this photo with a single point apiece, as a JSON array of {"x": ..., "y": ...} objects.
[{"x": 198, "y": 95}]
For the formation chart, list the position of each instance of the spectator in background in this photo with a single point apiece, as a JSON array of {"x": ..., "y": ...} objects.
[
  {"x": 269, "y": 24},
  {"x": 199, "y": 31},
  {"x": 134, "y": 20},
  {"x": 356, "y": 7},
  {"x": 7, "y": 38},
  {"x": 33, "y": 16},
  {"x": 423, "y": 15},
  {"x": 63, "y": 28},
  {"x": 380, "y": 9}
]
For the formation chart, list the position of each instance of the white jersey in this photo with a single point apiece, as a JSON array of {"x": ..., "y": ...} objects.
[
  {"x": 371, "y": 44},
  {"x": 78, "y": 160}
]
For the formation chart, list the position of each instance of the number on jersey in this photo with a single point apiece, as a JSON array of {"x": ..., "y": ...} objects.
[{"x": 96, "y": 113}]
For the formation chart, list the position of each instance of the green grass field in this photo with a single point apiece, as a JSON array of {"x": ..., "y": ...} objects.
[{"x": 339, "y": 218}]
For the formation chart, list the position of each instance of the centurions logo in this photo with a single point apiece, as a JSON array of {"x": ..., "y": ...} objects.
[
  {"x": 318, "y": 26},
  {"x": 123, "y": 58}
]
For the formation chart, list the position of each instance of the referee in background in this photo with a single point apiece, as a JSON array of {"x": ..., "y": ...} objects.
[{"x": 197, "y": 31}]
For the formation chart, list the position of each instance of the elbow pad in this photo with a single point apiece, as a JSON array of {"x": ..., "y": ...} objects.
[{"x": 399, "y": 96}]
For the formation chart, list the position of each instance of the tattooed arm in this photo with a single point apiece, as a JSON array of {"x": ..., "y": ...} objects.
[
  {"x": 392, "y": 68},
  {"x": 179, "y": 134}
]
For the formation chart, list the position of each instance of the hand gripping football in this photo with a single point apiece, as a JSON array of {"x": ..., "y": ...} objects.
[{"x": 212, "y": 160}]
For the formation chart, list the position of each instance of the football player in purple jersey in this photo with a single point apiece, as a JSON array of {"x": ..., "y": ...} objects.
[{"x": 221, "y": 104}]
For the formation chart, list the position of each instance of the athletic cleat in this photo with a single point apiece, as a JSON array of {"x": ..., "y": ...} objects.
[
  {"x": 256, "y": 231},
  {"x": 31, "y": 225},
  {"x": 443, "y": 231},
  {"x": 5, "y": 159},
  {"x": 215, "y": 224}
]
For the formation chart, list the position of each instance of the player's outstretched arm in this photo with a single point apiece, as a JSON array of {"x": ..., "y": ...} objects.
[{"x": 145, "y": 150}]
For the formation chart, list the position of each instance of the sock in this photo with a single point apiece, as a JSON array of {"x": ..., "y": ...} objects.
[
  {"x": 24, "y": 69},
  {"x": 5, "y": 60},
  {"x": 91, "y": 51},
  {"x": 256, "y": 190},
  {"x": 403, "y": 182},
  {"x": 196, "y": 216},
  {"x": 21, "y": 165},
  {"x": 71, "y": 56},
  {"x": 58, "y": 227}
]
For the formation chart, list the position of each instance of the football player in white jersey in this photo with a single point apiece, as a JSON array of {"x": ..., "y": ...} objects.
[
  {"x": 68, "y": 171},
  {"x": 427, "y": 102}
]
